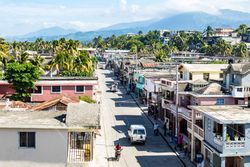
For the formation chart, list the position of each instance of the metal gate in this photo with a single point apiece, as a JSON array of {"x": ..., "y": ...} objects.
[{"x": 80, "y": 147}]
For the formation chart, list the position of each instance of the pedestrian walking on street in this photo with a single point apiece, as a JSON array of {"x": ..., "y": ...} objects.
[{"x": 165, "y": 128}]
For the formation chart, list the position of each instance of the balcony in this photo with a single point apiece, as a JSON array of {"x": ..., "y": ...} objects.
[
  {"x": 181, "y": 110},
  {"x": 199, "y": 132},
  {"x": 234, "y": 144}
]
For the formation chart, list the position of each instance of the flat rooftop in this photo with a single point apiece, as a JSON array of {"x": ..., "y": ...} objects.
[
  {"x": 32, "y": 119},
  {"x": 79, "y": 116},
  {"x": 226, "y": 114}
]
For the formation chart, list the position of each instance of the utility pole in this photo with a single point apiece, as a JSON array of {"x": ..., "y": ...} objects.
[
  {"x": 177, "y": 103},
  {"x": 136, "y": 57}
]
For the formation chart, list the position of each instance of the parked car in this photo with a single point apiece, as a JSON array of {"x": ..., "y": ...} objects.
[{"x": 137, "y": 134}]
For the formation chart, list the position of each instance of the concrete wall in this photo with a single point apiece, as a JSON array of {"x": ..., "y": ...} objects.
[
  {"x": 65, "y": 90},
  {"x": 46, "y": 93},
  {"x": 6, "y": 89},
  {"x": 50, "y": 151},
  {"x": 199, "y": 75},
  {"x": 213, "y": 100},
  {"x": 246, "y": 80},
  {"x": 210, "y": 100},
  {"x": 149, "y": 85}
]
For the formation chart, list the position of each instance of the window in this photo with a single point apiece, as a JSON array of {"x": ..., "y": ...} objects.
[
  {"x": 181, "y": 74},
  {"x": 206, "y": 76},
  {"x": 220, "y": 101},
  {"x": 38, "y": 90},
  {"x": 239, "y": 89},
  {"x": 79, "y": 89},
  {"x": 139, "y": 132},
  {"x": 56, "y": 89},
  {"x": 190, "y": 76},
  {"x": 218, "y": 128},
  {"x": 221, "y": 75},
  {"x": 27, "y": 139}
]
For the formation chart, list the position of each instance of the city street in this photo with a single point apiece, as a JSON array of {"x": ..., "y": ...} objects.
[{"x": 118, "y": 112}]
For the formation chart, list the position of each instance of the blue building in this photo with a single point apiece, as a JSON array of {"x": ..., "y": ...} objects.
[{"x": 226, "y": 135}]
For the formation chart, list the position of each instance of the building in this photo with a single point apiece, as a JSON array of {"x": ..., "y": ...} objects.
[
  {"x": 226, "y": 141},
  {"x": 222, "y": 32},
  {"x": 208, "y": 72},
  {"x": 185, "y": 56},
  {"x": 49, "y": 88},
  {"x": 48, "y": 139},
  {"x": 246, "y": 37},
  {"x": 91, "y": 51},
  {"x": 237, "y": 81}
]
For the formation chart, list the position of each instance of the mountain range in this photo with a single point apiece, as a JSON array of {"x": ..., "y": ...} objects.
[{"x": 184, "y": 21}]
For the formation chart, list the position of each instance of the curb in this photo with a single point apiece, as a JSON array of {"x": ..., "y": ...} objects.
[{"x": 183, "y": 163}]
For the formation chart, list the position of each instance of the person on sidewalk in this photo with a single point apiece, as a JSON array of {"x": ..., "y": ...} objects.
[
  {"x": 180, "y": 141},
  {"x": 185, "y": 148},
  {"x": 156, "y": 128}
]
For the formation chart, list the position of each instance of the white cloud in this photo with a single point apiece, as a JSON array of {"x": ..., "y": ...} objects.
[
  {"x": 123, "y": 5},
  {"x": 85, "y": 26},
  {"x": 19, "y": 19},
  {"x": 135, "y": 8},
  {"x": 62, "y": 7}
]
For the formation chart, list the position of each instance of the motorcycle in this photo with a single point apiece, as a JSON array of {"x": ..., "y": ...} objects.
[{"x": 117, "y": 154}]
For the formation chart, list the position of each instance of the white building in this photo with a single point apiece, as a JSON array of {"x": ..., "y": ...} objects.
[{"x": 48, "y": 138}]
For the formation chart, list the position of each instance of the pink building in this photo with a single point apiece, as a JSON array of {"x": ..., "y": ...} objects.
[{"x": 50, "y": 88}]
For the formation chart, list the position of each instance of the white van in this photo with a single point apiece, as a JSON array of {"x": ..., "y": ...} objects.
[{"x": 137, "y": 133}]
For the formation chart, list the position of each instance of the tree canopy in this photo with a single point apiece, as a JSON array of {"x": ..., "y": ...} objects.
[{"x": 22, "y": 76}]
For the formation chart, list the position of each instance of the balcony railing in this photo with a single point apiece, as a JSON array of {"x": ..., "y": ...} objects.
[
  {"x": 189, "y": 124},
  {"x": 181, "y": 110},
  {"x": 234, "y": 144},
  {"x": 199, "y": 131}
]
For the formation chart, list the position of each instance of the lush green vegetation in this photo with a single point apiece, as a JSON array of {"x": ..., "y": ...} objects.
[
  {"x": 87, "y": 99},
  {"x": 22, "y": 76},
  {"x": 66, "y": 58},
  {"x": 22, "y": 70},
  {"x": 161, "y": 45}
]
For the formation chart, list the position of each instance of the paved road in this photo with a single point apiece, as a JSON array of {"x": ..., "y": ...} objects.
[{"x": 118, "y": 112}]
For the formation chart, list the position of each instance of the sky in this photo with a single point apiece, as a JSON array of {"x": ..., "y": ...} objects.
[{"x": 19, "y": 17}]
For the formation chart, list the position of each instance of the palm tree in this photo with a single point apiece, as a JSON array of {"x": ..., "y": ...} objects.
[
  {"x": 240, "y": 50},
  {"x": 223, "y": 48},
  {"x": 38, "y": 61},
  {"x": 4, "y": 47},
  {"x": 242, "y": 29},
  {"x": 83, "y": 63},
  {"x": 160, "y": 55},
  {"x": 209, "y": 31}
]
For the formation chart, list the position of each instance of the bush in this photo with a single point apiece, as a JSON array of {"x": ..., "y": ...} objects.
[
  {"x": 87, "y": 99},
  {"x": 75, "y": 74}
]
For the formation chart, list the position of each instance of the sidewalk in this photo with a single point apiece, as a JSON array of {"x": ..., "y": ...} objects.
[{"x": 185, "y": 160}]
